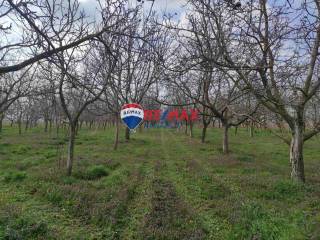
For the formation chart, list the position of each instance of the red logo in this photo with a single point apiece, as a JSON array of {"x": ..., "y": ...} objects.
[{"x": 171, "y": 115}]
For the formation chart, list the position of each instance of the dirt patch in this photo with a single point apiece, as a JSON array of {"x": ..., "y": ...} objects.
[
  {"x": 193, "y": 166},
  {"x": 159, "y": 165},
  {"x": 169, "y": 217},
  {"x": 229, "y": 160}
]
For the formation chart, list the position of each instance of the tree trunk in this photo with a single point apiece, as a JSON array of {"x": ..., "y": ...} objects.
[
  {"x": 50, "y": 125},
  {"x": 57, "y": 127},
  {"x": 204, "y": 132},
  {"x": 116, "y": 137},
  {"x": 77, "y": 128},
  {"x": 225, "y": 144},
  {"x": 296, "y": 154},
  {"x": 251, "y": 129},
  {"x": 72, "y": 136},
  {"x": 45, "y": 125},
  {"x": 1, "y": 121},
  {"x": 27, "y": 125},
  {"x": 127, "y": 136},
  {"x": 191, "y": 129},
  {"x": 19, "y": 125},
  {"x": 186, "y": 129},
  {"x": 236, "y": 130}
]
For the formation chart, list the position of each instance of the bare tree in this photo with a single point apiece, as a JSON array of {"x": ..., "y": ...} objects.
[
  {"x": 274, "y": 50},
  {"x": 214, "y": 89},
  {"x": 80, "y": 84},
  {"x": 40, "y": 25},
  {"x": 139, "y": 66},
  {"x": 14, "y": 86}
]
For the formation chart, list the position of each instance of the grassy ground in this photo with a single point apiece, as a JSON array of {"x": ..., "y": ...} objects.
[{"x": 160, "y": 185}]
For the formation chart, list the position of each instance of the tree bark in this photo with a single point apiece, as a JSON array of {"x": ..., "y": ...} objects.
[
  {"x": 296, "y": 154},
  {"x": 1, "y": 121},
  {"x": 19, "y": 125},
  {"x": 27, "y": 125},
  {"x": 127, "y": 135},
  {"x": 251, "y": 129},
  {"x": 204, "y": 133},
  {"x": 50, "y": 125},
  {"x": 105, "y": 124},
  {"x": 225, "y": 144},
  {"x": 186, "y": 129},
  {"x": 191, "y": 129},
  {"x": 116, "y": 138},
  {"x": 46, "y": 125},
  {"x": 77, "y": 128},
  {"x": 72, "y": 136},
  {"x": 57, "y": 127}
]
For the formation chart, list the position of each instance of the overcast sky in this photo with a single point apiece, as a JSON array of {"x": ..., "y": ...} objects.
[{"x": 161, "y": 6}]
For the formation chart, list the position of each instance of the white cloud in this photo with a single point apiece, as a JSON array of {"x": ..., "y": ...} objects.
[
  {"x": 170, "y": 5},
  {"x": 161, "y": 6}
]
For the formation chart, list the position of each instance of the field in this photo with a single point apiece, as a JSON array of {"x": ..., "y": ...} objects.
[{"x": 159, "y": 185}]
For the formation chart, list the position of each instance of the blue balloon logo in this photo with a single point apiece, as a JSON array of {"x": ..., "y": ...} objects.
[{"x": 132, "y": 115}]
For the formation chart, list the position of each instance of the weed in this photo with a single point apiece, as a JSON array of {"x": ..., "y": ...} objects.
[
  {"x": 283, "y": 190},
  {"x": 246, "y": 158},
  {"x": 21, "y": 149},
  {"x": 254, "y": 222},
  {"x": 213, "y": 191},
  {"x": 14, "y": 176},
  {"x": 93, "y": 173},
  {"x": 48, "y": 155},
  {"x": 54, "y": 195},
  {"x": 245, "y": 171},
  {"x": 69, "y": 180},
  {"x": 17, "y": 226},
  {"x": 26, "y": 229}
]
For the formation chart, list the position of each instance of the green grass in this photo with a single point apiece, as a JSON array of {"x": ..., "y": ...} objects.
[
  {"x": 93, "y": 173},
  {"x": 159, "y": 185}
]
